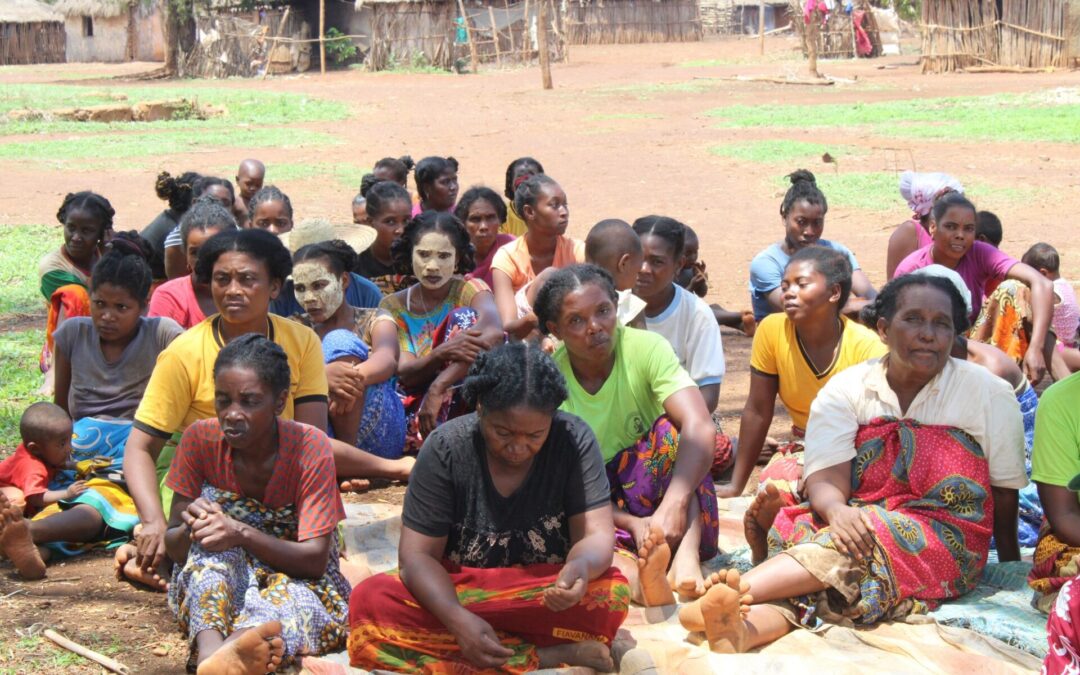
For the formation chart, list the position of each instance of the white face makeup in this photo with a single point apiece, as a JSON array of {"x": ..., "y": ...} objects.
[
  {"x": 317, "y": 290},
  {"x": 433, "y": 260}
]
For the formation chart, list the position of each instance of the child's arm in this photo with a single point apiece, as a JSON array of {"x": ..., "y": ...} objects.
[{"x": 43, "y": 499}]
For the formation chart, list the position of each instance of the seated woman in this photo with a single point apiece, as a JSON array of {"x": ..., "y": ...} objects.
[
  {"x": 1016, "y": 318},
  {"x": 437, "y": 184},
  {"x": 388, "y": 207},
  {"x": 517, "y": 172},
  {"x": 210, "y": 187},
  {"x": 920, "y": 190},
  {"x": 482, "y": 212},
  {"x": 443, "y": 322},
  {"x": 245, "y": 270},
  {"x": 361, "y": 354},
  {"x": 784, "y": 364},
  {"x": 103, "y": 362},
  {"x": 253, "y": 524},
  {"x": 912, "y": 463},
  {"x": 803, "y": 215},
  {"x": 506, "y": 538},
  {"x": 185, "y": 300},
  {"x": 656, "y": 436},
  {"x": 520, "y": 268},
  {"x": 178, "y": 192},
  {"x": 87, "y": 218}
]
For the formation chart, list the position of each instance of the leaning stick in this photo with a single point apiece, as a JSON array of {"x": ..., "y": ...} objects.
[{"x": 76, "y": 648}]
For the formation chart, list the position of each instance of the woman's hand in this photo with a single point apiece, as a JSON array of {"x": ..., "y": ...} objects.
[
  {"x": 427, "y": 418},
  {"x": 346, "y": 385},
  {"x": 210, "y": 527},
  {"x": 728, "y": 491},
  {"x": 671, "y": 517},
  {"x": 463, "y": 347},
  {"x": 150, "y": 546},
  {"x": 569, "y": 587},
  {"x": 852, "y": 531},
  {"x": 478, "y": 642},
  {"x": 1034, "y": 364}
]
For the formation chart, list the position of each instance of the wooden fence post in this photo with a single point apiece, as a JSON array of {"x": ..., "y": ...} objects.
[
  {"x": 761, "y": 28},
  {"x": 495, "y": 36},
  {"x": 474, "y": 58},
  {"x": 542, "y": 40},
  {"x": 322, "y": 37}
]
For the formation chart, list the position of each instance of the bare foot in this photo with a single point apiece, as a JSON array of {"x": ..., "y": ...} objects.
[
  {"x": 690, "y": 615},
  {"x": 759, "y": 518},
  {"x": 255, "y": 652},
  {"x": 355, "y": 485},
  {"x": 16, "y": 543},
  {"x": 591, "y": 654},
  {"x": 685, "y": 578},
  {"x": 723, "y": 608},
  {"x": 406, "y": 464},
  {"x": 749, "y": 326},
  {"x": 653, "y": 558},
  {"x": 126, "y": 569}
]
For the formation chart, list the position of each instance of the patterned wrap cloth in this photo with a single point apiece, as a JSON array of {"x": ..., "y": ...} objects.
[
  {"x": 73, "y": 300},
  {"x": 1054, "y": 564},
  {"x": 1062, "y": 635},
  {"x": 926, "y": 491},
  {"x": 232, "y": 589},
  {"x": 1005, "y": 319},
  {"x": 390, "y": 631}
]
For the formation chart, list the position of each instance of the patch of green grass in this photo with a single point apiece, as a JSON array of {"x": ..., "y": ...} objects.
[
  {"x": 23, "y": 246},
  {"x": 1004, "y": 117},
  {"x": 20, "y": 379},
  {"x": 779, "y": 150},
  {"x": 623, "y": 116},
  {"x": 648, "y": 91},
  {"x": 346, "y": 175}
]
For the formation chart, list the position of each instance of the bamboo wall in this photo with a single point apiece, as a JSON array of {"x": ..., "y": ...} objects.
[
  {"x": 958, "y": 34},
  {"x": 25, "y": 43},
  {"x": 632, "y": 21},
  {"x": 1034, "y": 33},
  {"x": 401, "y": 31}
]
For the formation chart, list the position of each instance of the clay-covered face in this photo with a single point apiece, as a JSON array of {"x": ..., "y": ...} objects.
[
  {"x": 433, "y": 259},
  {"x": 318, "y": 290}
]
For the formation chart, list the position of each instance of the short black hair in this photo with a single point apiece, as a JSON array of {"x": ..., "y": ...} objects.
[
  {"x": 1044, "y": 256},
  {"x": 428, "y": 171},
  {"x": 178, "y": 191},
  {"x": 257, "y": 243},
  {"x": 610, "y": 238},
  {"x": 205, "y": 213},
  {"x": 434, "y": 221},
  {"x": 206, "y": 182},
  {"x": 513, "y": 374},
  {"x": 691, "y": 236},
  {"x": 262, "y": 355},
  {"x": 381, "y": 193},
  {"x": 550, "y": 298},
  {"x": 341, "y": 256},
  {"x": 887, "y": 301},
  {"x": 97, "y": 206},
  {"x": 988, "y": 227},
  {"x": 398, "y": 167},
  {"x": 829, "y": 263},
  {"x": 950, "y": 200},
  {"x": 478, "y": 193},
  {"x": 42, "y": 420},
  {"x": 668, "y": 229},
  {"x": 529, "y": 191},
  {"x": 520, "y": 161},
  {"x": 269, "y": 193},
  {"x": 803, "y": 188},
  {"x": 126, "y": 264}
]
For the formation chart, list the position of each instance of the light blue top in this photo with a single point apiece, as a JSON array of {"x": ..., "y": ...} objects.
[{"x": 767, "y": 271}]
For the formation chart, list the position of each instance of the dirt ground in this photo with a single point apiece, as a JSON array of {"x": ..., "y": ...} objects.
[{"x": 619, "y": 153}]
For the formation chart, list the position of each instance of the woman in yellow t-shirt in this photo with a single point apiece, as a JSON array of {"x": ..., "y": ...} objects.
[{"x": 794, "y": 355}]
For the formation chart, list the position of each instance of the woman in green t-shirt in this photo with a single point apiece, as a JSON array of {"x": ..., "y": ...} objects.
[{"x": 645, "y": 410}]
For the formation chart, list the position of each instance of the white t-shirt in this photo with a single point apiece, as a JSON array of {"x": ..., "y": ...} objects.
[
  {"x": 964, "y": 395},
  {"x": 691, "y": 328}
]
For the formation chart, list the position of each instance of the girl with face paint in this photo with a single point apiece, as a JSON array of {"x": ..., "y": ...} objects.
[
  {"x": 443, "y": 321},
  {"x": 360, "y": 347}
]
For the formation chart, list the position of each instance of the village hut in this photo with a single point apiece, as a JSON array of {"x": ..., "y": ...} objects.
[
  {"x": 112, "y": 31},
  {"x": 960, "y": 34},
  {"x": 590, "y": 22},
  {"x": 844, "y": 35},
  {"x": 740, "y": 17},
  {"x": 30, "y": 32}
]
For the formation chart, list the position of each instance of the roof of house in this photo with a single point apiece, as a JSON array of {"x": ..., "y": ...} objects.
[
  {"x": 27, "y": 11},
  {"x": 103, "y": 9}
]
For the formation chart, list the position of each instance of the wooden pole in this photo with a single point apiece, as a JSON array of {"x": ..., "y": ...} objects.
[
  {"x": 526, "y": 39},
  {"x": 495, "y": 36},
  {"x": 542, "y": 40},
  {"x": 474, "y": 58},
  {"x": 761, "y": 28},
  {"x": 811, "y": 42},
  {"x": 510, "y": 28},
  {"x": 322, "y": 37},
  {"x": 273, "y": 40},
  {"x": 76, "y": 648}
]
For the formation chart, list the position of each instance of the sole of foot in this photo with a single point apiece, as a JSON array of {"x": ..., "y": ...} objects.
[
  {"x": 723, "y": 608},
  {"x": 759, "y": 518},
  {"x": 653, "y": 559},
  {"x": 255, "y": 652},
  {"x": 590, "y": 654},
  {"x": 127, "y": 569},
  {"x": 17, "y": 544}
]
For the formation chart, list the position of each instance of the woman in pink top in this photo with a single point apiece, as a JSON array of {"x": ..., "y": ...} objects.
[
  {"x": 542, "y": 203},
  {"x": 185, "y": 300},
  {"x": 1016, "y": 318},
  {"x": 920, "y": 190},
  {"x": 436, "y": 183},
  {"x": 483, "y": 212}
]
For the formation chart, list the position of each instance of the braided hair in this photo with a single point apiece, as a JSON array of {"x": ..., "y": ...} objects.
[
  {"x": 950, "y": 200},
  {"x": 126, "y": 265},
  {"x": 528, "y": 191},
  {"x": 340, "y": 256},
  {"x": 887, "y": 301},
  {"x": 382, "y": 193},
  {"x": 434, "y": 221},
  {"x": 177, "y": 191},
  {"x": 668, "y": 229},
  {"x": 803, "y": 188},
  {"x": 514, "y": 374},
  {"x": 91, "y": 202},
  {"x": 549, "y": 300},
  {"x": 397, "y": 168},
  {"x": 260, "y": 354},
  {"x": 829, "y": 263},
  {"x": 269, "y": 193},
  {"x": 259, "y": 244},
  {"x": 205, "y": 213},
  {"x": 520, "y": 162},
  {"x": 478, "y": 193}
]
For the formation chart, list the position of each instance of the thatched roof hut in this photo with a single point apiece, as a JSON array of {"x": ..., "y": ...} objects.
[
  {"x": 30, "y": 32},
  {"x": 112, "y": 30},
  {"x": 958, "y": 34}
]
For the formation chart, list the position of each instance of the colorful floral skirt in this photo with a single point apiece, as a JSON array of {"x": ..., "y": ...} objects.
[
  {"x": 73, "y": 300},
  {"x": 1063, "y": 632},
  {"x": 926, "y": 491},
  {"x": 230, "y": 590},
  {"x": 639, "y": 478},
  {"x": 390, "y": 631},
  {"x": 1005, "y": 319},
  {"x": 1054, "y": 564},
  {"x": 785, "y": 469}
]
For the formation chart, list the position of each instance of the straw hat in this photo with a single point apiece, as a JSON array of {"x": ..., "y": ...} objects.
[{"x": 316, "y": 230}]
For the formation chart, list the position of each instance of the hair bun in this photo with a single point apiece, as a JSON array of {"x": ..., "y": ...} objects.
[
  {"x": 130, "y": 243},
  {"x": 801, "y": 176},
  {"x": 407, "y": 160}
]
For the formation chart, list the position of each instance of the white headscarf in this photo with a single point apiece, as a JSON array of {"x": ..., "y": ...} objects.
[
  {"x": 951, "y": 275},
  {"x": 922, "y": 189}
]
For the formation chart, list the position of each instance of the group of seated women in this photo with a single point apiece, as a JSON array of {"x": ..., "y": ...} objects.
[{"x": 557, "y": 438}]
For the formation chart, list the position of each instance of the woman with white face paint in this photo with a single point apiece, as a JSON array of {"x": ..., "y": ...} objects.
[
  {"x": 442, "y": 322},
  {"x": 360, "y": 352}
]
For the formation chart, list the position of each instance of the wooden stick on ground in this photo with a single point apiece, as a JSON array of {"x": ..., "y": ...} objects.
[{"x": 76, "y": 648}]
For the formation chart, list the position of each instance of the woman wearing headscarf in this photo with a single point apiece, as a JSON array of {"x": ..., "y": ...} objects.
[{"x": 920, "y": 190}]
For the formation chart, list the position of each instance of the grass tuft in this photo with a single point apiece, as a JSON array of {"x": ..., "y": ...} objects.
[
  {"x": 23, "y": 247},
  {"x": 19, "y": 352}
]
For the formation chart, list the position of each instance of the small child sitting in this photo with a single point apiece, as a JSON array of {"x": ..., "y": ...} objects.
[
  {"x": 46, "y": 447},
  {"x": 695, "y": 279},
  {"x": 988, "y": 228},
  {"x": 613, "y": 245},
  {"x": 1066, "y": 319}
]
